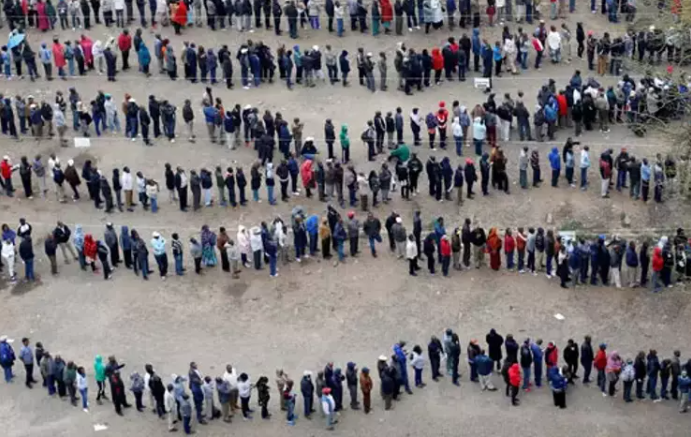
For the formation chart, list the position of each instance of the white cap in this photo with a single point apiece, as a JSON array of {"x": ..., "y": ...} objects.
[
  {"x": 315, "y": 48},
  {"x": 131, "y": 100},
  {"x": 307, "y": 373},
  {"x": 3, "y": 338},
  {"x": 309, "y": 139},
  {"x": 369, "y": 54},
  {"x": 382, "y": 358},
  {"x": 248, "y": 106},
  {"x": 6, "y": 158},
  {"x": 399, "y": 220},
  {"x": 70, "y": 162},
  {"x": 155, "y": 234}
]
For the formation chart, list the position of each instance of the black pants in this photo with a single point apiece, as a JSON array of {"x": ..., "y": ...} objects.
[
  {"x": 559, "y": 398},
  {"x": 101, "y": 391},
  {"x": 412, "y": 267},
  {"x": 353, "y": 245},
  {"x": 225, "y": 263},
  {"x": 182, "y": 196},
  {"x": 197, "y": 265},
  {"x": 514, "y": 394},
  {"x": 127, "y": 255},
  {"x": 29, "y": 374},
  {"x": 326, "y": 247}
]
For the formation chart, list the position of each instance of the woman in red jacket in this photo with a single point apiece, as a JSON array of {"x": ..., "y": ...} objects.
[
  {"x": 494, "y": 247},
  {"x": 658, "y": 265},
  {"x": 90, "y": 251},
  {"x": 509, "y": 246},
  {"x": 179, "y": 17},
  {"x": 386, "y": 15},
  {"x": 514, "y": 381},
  {"x": 437, "y": 64},
  {"x": 445, "y": 249}
]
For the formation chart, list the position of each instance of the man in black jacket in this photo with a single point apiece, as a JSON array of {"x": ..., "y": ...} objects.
[{"x": 62, "y": 234}]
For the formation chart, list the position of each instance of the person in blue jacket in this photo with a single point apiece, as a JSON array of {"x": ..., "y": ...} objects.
[
  {"x": 557, "y": 383},
  {"x": 144, "y": 58},
  {"x": 551, "y": 113},
  {"x": 555, "y": 163},
  {"x": 312, "y": 226},
  {"x": 594, "y": 261},
  {"x": 477, "y": 47},
  {"x": 439, "y": 231},
  {"x": 212, "y": 65},
  {"x": 255, "y": 65},
  {"x": 538, "y": 354},
  {"x": 401, "y": 358},
  {"x": 7, "y": 358},
  {"x": 191, "y": 68}
]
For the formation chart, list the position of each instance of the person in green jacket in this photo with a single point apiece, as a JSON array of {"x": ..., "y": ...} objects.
[
  {"x": 401, "y": 153},
  {"x": 100, "y": 372},
  {"x": 345, "y": 143}
]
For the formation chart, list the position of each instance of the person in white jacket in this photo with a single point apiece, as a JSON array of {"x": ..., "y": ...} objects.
[
  {"x": 510, "y": 54},
  {"x": 257, "y": 246},
  {"x": 585, "y": 165},
  {"x": 120, "y": 13},
  {"x": 457, "y": 131},
  {"x": 128, "y": 187},
  {"x": 411, "y": 255},
  {"x": 8, "y": 255},
  {"x": 418, "y": 363},
  {"x": 99, "y": 58},
  {"x": 170, "y": 406},
  {"x": 554, "y": 44},
  {"x": 112, "y": 121},
  {"x": 243, "y": 245},
  {"x": 83, "y": 387}
]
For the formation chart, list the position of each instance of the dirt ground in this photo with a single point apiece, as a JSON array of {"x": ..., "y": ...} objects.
[{"x": 314, "y": 312}]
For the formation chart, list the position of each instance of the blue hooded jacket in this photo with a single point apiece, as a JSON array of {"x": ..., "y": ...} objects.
[
  {"x": 554, "y": 159},
  {"x": 312, "y": 224},
  {"x": 537, "y": 354},
  {"x": 475, "y": 39},
  {"x": 144, "y": 55},
  {"x": 556, "y": 379},
  {"x": 400, "y": 355},
  {"x": 631, "y": 257}
]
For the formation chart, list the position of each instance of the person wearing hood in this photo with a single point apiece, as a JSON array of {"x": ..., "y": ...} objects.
[
  {"x": 555, "y": 163},
  {"x": 352, "y": 381},
  {"x": 328, "y": 407},
  {"x": 336, "y": 385},
  {"x": 307, "y": 390},
  {"x": 111, "y": 241},
  {"x": 653, "y": 369},
  {"x": 158, "y": 244},
  {"x": 401, "y": 357},
  {"x": 612, "y": 372}
]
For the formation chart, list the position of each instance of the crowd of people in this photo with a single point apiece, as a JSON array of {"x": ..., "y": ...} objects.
[
  {"x": 414, "y": 68},
  {"x": 521, "y": 366},
  {"x": 578, "y": 260}
]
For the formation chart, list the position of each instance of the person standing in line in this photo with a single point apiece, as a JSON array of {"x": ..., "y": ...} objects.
[
  {"x": 587, "y": 358},
  {"x": 514, "y": 374},
  {"x": 83, "y": 387},
  {"x": 366, "y": 387},
  {"x": 158, "y": 244},
  {"x": 26, "y": 356},
  {"x": 170, "y": 406},
  {"x": 51, "y": 249},
  {"x": 600, "y": 364}
]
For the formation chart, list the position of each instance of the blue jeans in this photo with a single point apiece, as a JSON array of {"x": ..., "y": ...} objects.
[
  {"x": 144, "y": 266},
  {"x": 178, "y": 264},
  {"x": 404, "y": 378},
  {"x": 339, "y": 248},
  {"x": 521, "y": 260},
  {"x": 50, "y": 382},
  {"x": 549, "y": 264},
  {"x": 8, "y": 373},
  {"x": 526, "y": 377},
  {"x": 478, "y": 146},
  {"x": 473, "y": 370},
  {"x": 418, "y": 376},
  {"x": 459, "y": 145},
  {"x": 652, "y": 387},
  {"x": 538, "y": 374},
  {"x": 584, "y": 178},
  {"x": 97, "y": 121},
  {"x": 339, "y": 27},
  {"x": 627, "y": 391},
  {"x": 524, "y": 60},
  {"x": 601, "y": 379},
  {"x": 621, "y": 179},
  {"x": 663, "y": 386},
  {"x": 272, "y": 265},
  {"x": 372, "y": 247},
  {"x": 154, "y": 204},
  {"x": 133, "y": 127},
  {"x": 314, "y": 238},
  {"x": 83, "y": 392},
  {"x": 255, "y": 195},
  {"x": 555, "y": 176},
  {"x": 270, "y": 191},
  {"x": 509, "y": 260},
  {"x": 587, "y": 368},
  {"x": 186, "y": 424},
  {"x": 29, "y": 270}
]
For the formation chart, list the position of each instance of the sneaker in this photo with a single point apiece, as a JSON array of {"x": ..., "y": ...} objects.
[{"x": 410, "y": 29}]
